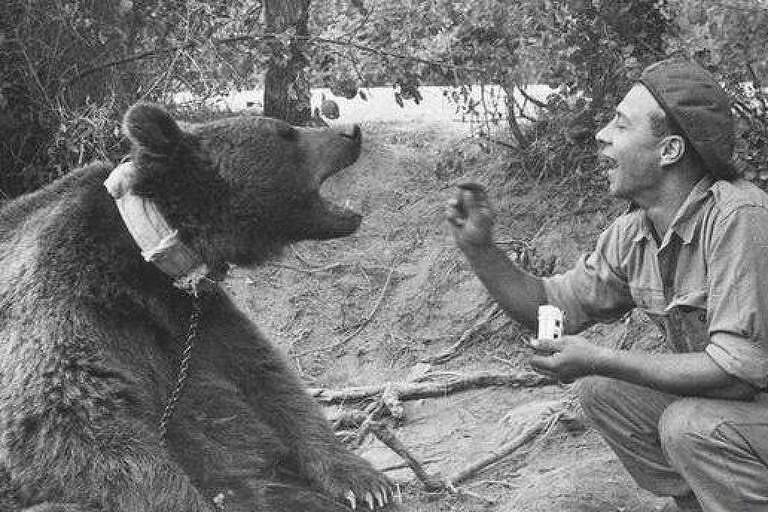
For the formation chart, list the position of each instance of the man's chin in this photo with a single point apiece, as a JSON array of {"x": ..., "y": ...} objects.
[
  {"x": 615, "y": 191},
  {"x": 613, "y": 185}
]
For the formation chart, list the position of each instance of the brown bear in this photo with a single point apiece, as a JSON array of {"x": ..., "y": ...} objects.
[{"x": 98, "y": 289}]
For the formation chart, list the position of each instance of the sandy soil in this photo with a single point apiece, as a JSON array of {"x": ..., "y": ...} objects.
[{"x": 318, "y": 294}]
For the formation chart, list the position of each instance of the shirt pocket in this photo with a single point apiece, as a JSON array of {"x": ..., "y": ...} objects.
[
  {"x": 689, "y": 325},
  {"x": 649, "y": 299}
]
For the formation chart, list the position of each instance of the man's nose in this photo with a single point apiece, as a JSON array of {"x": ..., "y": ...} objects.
[{"x": 601, "y": 136}]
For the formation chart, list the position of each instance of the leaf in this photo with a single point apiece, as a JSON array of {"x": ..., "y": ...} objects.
[
  {"x": 358, "y": 4},
  {"x": 399, "y": 99},
  {"x": 363, "y": 96}
]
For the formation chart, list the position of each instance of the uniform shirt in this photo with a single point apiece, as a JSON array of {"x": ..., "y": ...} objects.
[{"x": 705, "y": 285}]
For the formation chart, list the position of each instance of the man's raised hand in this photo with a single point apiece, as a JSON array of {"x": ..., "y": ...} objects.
[{"x": 471, "y": 216}]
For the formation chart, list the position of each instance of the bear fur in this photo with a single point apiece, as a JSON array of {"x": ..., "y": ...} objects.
[{"x": 91, "y": 334}]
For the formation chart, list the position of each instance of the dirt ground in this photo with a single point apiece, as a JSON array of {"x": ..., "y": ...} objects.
[{"x": 372, "y": 308}]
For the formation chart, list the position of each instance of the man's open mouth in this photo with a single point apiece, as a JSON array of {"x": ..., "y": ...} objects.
[{"x": 606, "y": 163}]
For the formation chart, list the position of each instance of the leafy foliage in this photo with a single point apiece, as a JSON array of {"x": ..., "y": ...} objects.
[
  {"x": 67, "y": 69},
  {"x": 729, "y": 38}
]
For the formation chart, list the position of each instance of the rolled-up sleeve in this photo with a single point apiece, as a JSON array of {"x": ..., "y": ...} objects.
[
  {"x": 738, "y": 295},
  {"x": 595, "y": 289}
]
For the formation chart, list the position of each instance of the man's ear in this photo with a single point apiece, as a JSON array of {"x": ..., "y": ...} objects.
[{"x": 672, "y": 149}]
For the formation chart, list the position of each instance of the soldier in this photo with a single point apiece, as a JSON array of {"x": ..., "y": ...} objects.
[{"x": 692, "y": 252}]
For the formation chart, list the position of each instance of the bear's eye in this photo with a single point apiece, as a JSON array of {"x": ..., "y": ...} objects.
[{"x": 287, "y": 132}]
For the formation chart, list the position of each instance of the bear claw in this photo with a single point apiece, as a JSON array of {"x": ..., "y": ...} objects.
[
  {"x": 369, "y": 500},
  {"x": 352, "y": 500}
]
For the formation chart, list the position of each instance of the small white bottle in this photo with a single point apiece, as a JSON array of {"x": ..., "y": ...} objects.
[{"x": 550, "y": 322}]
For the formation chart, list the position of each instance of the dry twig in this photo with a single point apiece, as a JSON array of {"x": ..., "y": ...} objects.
[
  {"x": 468, "y": 336},
  {"x": 310, "y": 270},
  {"x": 360, "y": 327}
]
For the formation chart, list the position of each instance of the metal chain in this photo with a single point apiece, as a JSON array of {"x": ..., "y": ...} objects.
[{"x": 186, "y": 355}]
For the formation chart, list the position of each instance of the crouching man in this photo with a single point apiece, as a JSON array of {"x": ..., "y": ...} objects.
[{"x": 692, "y": 252}]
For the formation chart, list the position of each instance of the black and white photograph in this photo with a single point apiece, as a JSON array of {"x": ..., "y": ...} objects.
[{"x": 383, "y": 255}]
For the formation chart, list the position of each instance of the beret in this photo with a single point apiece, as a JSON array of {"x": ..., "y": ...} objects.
[{"x": 699, "y": 106}]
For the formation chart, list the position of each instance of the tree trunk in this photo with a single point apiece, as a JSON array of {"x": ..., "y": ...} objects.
[
  {"x": 514, "y": 126},
  {"x": 286, "y": 84}
]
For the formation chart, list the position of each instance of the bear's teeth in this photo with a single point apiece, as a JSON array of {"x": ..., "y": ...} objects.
[{"x": 346, "y": 204}]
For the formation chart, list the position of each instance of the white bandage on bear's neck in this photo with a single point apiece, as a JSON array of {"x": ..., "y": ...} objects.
[{"x": 159, "y": 243}]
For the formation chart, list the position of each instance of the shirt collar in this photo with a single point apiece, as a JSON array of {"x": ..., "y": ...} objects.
[{"x": 687, "y": 217}]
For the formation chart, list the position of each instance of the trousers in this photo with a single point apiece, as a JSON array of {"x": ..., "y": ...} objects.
[{"x": 715, "y": 450}]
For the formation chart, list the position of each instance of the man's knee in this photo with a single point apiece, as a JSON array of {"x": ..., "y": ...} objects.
[
  {"x": 684, "y": 425},
  {"x": 596, "y": 394}
]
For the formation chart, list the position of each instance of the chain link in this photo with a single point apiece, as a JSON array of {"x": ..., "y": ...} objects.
[{"x": 186, "y": 355}]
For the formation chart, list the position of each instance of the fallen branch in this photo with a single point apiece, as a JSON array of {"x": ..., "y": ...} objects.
[
  {"x": 360, "y": 327},
  {"x": 375, "y": 412},
  {"x": 390, "y": 398},
  {"x": 405, "y": 465},
  {"x": 543, "y": 421},
  {"x": 416, "y": 390},
  {"x": 348, "y": 418},
  {"x": 386, "y": 436},
  {"x": 506, "y": 449}
]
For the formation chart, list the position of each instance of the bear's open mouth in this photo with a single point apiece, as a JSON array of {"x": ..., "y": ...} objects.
[{"x": 341, "y": 206}]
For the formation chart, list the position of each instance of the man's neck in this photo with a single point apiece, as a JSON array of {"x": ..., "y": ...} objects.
[{"x": 663, "y": 207}]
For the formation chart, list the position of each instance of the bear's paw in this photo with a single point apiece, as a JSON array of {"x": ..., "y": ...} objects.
[{"x": 353, "y": 480}]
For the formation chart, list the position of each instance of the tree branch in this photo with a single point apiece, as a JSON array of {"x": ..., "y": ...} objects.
[
  {"x": 530, "y": 98},
  {"x": 137, "y": 56},
  {"x": 756, "y": 85},
  {"x": 155, "y": 52}
]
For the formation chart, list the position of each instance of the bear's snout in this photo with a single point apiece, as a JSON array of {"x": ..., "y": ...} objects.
[
  {"x": 341, "y": 150},
  {"x": 353, "y": 133}
]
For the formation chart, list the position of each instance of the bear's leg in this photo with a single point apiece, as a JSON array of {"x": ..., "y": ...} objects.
[
  {"x": 272, "y": 496},
  {"x": 288, "y": 498},
  {"x": 278, "y": 399},
  {"x": 108, "y": 465},
  {"x": 58, "y": 507}
]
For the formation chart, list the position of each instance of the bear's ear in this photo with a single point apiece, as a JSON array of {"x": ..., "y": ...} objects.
[{"x": 150, "y": 127}]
